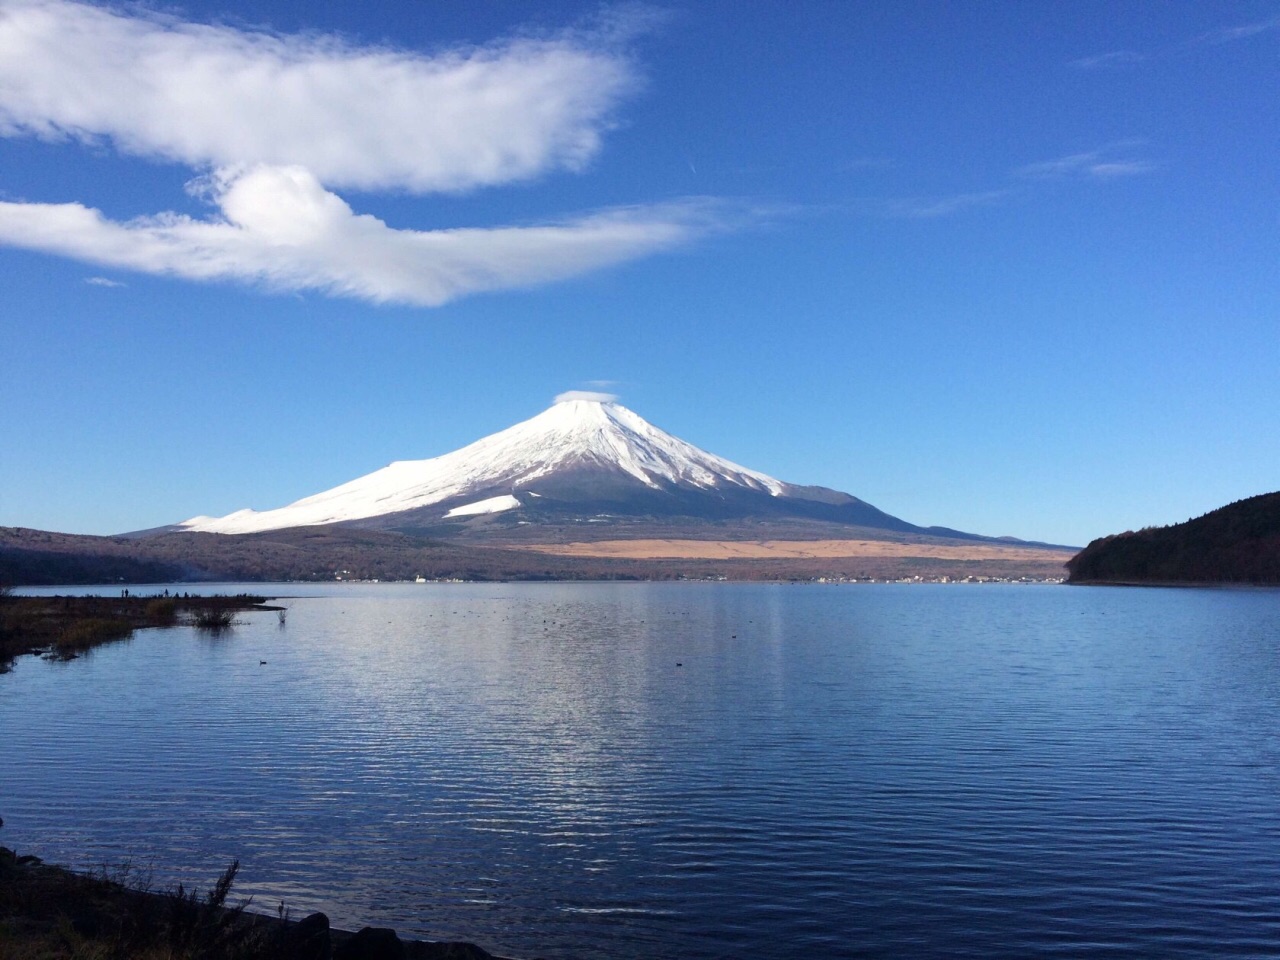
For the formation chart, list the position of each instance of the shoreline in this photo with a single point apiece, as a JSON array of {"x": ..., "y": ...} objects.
[
  {"x": 65, "y": 627},
  {"x": 1176, "y": 584},
  {"x": 52, "y": 912}
]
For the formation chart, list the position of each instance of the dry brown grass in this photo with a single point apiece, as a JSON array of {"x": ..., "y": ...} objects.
[
  {"x": 47, "y": 913},
  {"x": 66, "y": 627},
  {"x": 794, "y": 550}
]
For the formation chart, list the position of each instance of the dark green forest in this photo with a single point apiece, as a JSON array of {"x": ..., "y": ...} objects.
[{"x": 1238, "y": 543}]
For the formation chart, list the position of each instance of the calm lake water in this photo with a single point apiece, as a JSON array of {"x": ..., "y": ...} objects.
[{"x": 691, "y": 770}]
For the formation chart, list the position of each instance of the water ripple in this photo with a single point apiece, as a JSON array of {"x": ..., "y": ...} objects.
[{"x": 873, "y": 771}]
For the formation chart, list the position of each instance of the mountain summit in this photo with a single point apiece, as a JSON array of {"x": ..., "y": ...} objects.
[{"x": 586, "y": 458}]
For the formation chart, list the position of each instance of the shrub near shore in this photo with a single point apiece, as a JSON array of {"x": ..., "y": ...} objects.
[
  {"x": 50, "y": 913},
  {"x": 65, "y": 627}
]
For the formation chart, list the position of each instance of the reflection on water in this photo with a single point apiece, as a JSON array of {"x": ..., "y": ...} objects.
[{"x": 691, "y": 770}]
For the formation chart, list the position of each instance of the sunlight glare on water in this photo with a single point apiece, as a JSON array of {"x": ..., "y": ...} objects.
[{"x": 692, "y": 770}]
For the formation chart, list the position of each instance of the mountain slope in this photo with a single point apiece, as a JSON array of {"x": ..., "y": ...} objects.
[{"x": 581, "y": 459}]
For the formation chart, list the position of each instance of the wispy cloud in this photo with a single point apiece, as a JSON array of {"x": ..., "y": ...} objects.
[
  {"x": 1105, "y": 163},
  {"x": 1117, "y": 59},
  {"x": 865, "y": 163},
  {"x": 924, "y": 208},
  {"x": 102, "y": 282},
  {"x": 273, "y": 124},
  {"x": 1111, "y": 169},
  {"x": 1111, "y": 60},
  {"x": 1111, "y": 162},
  {"x": 1243, "y": 32}
]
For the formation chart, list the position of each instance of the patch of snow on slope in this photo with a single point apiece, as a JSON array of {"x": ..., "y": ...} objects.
[{"x": 492, "y": 505}]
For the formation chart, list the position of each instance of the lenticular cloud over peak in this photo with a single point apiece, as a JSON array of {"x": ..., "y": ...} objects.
[
  {"x": 591, "y": 396},
  {"x": 273, "y": 125}
]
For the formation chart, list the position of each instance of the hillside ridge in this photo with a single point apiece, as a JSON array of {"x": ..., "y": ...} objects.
[{"x": 1237, "y": 543}]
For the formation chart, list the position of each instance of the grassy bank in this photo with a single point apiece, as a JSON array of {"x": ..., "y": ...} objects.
[
  {"x": 50, "y": 913},
  {"x": 65, "y": 627}
]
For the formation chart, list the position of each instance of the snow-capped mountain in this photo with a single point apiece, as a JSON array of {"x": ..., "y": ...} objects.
[{"x": 586, "y": 457}]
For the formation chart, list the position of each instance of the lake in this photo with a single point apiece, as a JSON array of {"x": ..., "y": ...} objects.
[{"x": 690, "y": 770}]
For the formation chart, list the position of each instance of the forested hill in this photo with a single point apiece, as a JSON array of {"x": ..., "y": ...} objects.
[{"x": 1238, "y": 543}]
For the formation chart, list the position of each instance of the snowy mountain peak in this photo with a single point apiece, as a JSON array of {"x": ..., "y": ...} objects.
[
  {"x": 582, "y": 435},
  {"x": 605, "y": 433}
]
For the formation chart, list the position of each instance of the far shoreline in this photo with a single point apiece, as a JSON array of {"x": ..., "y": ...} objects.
[{"x": 1175, "y": 584}]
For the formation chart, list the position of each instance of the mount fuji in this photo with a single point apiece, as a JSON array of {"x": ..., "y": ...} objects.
[{"x": 586, "y": 459}]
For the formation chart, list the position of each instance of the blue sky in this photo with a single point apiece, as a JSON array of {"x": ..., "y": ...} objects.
[{"x": 1006, "y": 267}]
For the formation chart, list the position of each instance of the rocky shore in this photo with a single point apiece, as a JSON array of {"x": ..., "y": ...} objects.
[{"x": 52, "y": 913}]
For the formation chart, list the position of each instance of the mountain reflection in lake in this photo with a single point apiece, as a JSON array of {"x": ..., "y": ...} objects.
[{"x": 691, "y": 770}]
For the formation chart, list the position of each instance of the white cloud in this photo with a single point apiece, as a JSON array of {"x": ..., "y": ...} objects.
[
  {"x": 273, "y": 124},
  {"x": 1110, "y": 169},
  {"x": 1102, "y": 164},
  {"x": 364, "y": 117},
  {"x": 865, "y": 163},
  {"x": 925, "y": 208},
  {"x": 279, "y": 227},
  {"x": 1110, "y": 162},
  {"x": 102, "y": 282},
  {"x": 570, "y": 395},
  {"x": 1244, "y": 32},
  {"x": 1109, "y": 60},
  {"x": 1117, "y": 59}
]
